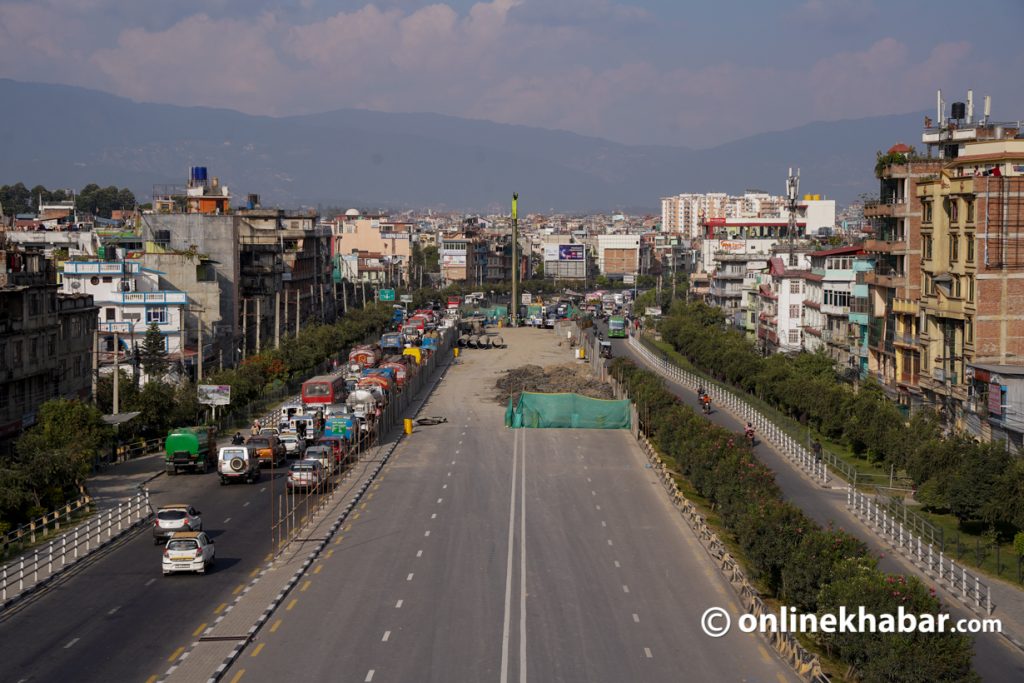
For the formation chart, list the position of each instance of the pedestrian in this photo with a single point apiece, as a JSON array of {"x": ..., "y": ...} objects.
[
  {"x": 816, "y": 447},
  {"x": 255, "y": 427}
]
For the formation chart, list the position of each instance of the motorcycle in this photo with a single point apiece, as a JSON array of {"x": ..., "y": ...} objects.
[
  {"x": 706, "y": 406},
  {"x": 749, "y": 436}
]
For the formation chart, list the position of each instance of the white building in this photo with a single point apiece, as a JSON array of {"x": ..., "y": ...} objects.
[
  {"x": 688, "y": 213},
  {"x": 129, "y": 301},
  {"x": 618, "y": 254}
]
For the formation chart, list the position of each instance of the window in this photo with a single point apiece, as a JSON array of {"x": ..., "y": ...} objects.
[
  {"x": 107, "y": 279},
  {"x": 794, "y": 286},
  {"x": 926, "y": 207},
  {"x": 794, "y": 311},
  {"x": 205, "y": 273},
  {"x": 51, "y": 346},
  {"x": 954, "y": 211},
  {"x": 927, "y": 247},
  {"x": 3, "y": 355},
  {"x": 969, "y": 205},
  {"x": 968, "y": 331},
  {"x": 954, "y": 247},
  {"x": 33, "y": 304},
  {"x": 970, "y": 288},
  {"x": 19, "y": 393},
  {"x": 111, "y": 314},
  {"x": 969, "y": 237},
  {"x": 956, "y": 287},
  {"x": 3, "y": 395},
  {"x": 157, "y": 314},
  {"x": 794, "y": 336},
  {"x": 33, "y": 351},
  {"x": 78, "y": 367}
]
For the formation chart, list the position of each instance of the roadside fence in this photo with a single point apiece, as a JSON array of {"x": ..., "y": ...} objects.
[
  {"x": 34, "y": 570},
  {"x": 40, "y": 528}
]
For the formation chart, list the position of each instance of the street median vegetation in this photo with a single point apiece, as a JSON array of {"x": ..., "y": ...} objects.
[{"x": 794, "y": 560}]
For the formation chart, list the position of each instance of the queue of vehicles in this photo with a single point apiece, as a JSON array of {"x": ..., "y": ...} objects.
[{"x": 334, "y": 418}]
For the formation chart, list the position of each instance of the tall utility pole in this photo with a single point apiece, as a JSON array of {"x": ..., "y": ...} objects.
[
  {"x": 514, "y": 307},
  {"x": 277, "y": 319},
  {"x": 792, "y": 189},
  {"x": 117, "y": 371},
  {"x": 259, "y": 319},
  {"x": 199, "y": 349},
  {"x": 95, "y": 363}
]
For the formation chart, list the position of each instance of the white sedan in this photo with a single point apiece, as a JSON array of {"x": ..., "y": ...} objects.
[{"x": 188, "y": 551}]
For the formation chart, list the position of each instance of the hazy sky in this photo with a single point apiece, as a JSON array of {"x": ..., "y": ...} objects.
[{"x": 642, "y": 71}]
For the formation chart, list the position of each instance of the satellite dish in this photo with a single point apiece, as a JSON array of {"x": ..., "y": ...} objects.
[{"x": 75, "y": 284}]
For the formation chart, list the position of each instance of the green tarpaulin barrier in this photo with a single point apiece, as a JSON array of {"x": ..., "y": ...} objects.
[{"x": 566, "y": 411}]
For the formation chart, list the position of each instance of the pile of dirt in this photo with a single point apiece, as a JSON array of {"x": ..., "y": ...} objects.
[{"x": 567, "y": 378}]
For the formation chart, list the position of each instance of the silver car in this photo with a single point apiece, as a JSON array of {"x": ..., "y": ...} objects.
[{"x": 294, "y": 447}]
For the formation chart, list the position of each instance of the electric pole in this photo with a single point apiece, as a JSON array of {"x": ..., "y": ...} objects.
[{"x": 514, "y": 307}]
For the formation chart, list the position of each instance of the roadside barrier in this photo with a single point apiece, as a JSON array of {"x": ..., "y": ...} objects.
[
  {"x": 41, "y": 527},
  {"x": 34, "y": 570}
]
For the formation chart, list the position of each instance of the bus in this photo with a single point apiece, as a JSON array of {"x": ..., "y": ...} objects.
[
  {"x": 324, "y": 390},
  {"x": 616, "y": 326}
]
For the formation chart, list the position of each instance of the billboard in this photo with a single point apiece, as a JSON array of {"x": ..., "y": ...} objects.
[
  {"x": 453, "y": 258},
  {"x": 564, "y": 252},
  {"x": 570, "y": 252},
  {"x": 214, "y": 394}
]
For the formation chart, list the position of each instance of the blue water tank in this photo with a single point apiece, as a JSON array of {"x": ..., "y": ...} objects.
[{"x": 197, "y": 174}]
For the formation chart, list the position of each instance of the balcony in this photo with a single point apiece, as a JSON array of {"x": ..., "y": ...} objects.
[
  {"x": 940, "y": 375},
  {"x": 906, "y": 306},
  {"x": 730, "y": 275},
  {"x": 838, "y": 311},
  {"x": 151, "y": 298},
  {"x": 896, "y": 280},
  {"x": 120, "y": 326},
  {"x": 911, "y": 379},
  {"x": 879, "y": 209},
  {"x": 100, "y": 267},
  {"x": 885, "y": 246},
  {"x": 906, "y": 340}
]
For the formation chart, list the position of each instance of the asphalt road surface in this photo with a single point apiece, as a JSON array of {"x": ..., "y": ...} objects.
[{"x": 487, "y": 554}]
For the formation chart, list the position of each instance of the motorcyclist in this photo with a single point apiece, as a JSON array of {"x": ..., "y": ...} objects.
[
  {"x": 700, "y": 392},
  {"x": 237, "y": 439},
  {"x": 706, "y": 401},
  {"x": 748, "y": 432}
]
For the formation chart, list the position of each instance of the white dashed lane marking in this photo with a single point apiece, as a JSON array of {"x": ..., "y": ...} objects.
[{"x": 71, "y": 642}]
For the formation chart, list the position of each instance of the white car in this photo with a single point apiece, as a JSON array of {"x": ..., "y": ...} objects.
[
  {"x": 173, "y": 518},
  {"x": 293, "y": 445},
  {"x": 188, "y": 551}
]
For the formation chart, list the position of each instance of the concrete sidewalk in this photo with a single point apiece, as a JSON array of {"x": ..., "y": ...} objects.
[{"x": 827, "y": 506}]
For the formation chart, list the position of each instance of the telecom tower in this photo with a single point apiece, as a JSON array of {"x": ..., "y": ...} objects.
[{"x": 792, "y": 191}]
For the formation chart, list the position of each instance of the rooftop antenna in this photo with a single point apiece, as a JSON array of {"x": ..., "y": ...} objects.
[
  {"x": 938, "y": 109},
  {"x": 970, "y": 107},
  {"x": 792, "y": 188}
]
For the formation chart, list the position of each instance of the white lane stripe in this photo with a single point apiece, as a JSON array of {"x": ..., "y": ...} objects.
[
  {"x": 588, "y": 480},
  {"x": 609, "y": 541},
  {"x": 150, "y": 582},
  {"x": 625, "y": 588},
  {"x": 593, "y": 493},
  {"x": 617, "y": 563},
  {"x": 245, "y": 504},
  {"x": 387, "y": 636},
  {"x": 445, "y": 486},
  {"x": 227, "y": 520},
  {"x": 433, "y": 516},
  {"x": 598, "y": 507},
  {"x": 114, "y": 610},
  {"x": 439, "y": 500},
  {"x": 508, "y": 568},
  {"x": 71, "y": 642},
  {"x": 427, "y": 532},
  {"x": 369, "y": 676},
  {"x": 398, "y": 605},
  {"x": 263, "y": 489},
  {"x": 647, "y": 651},
  {"x": 604, "y": 523},
  {"x": 419, "y": 553},
  {"x": 522, "y": 570},
  {"x": 409, "y": 578},
  {"x": 636, "y": 618}
]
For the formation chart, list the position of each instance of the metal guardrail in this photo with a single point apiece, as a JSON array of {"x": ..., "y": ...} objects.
[
  {"x": 967, "y": 587},
  {"x": 896, "y": 527},
  {"x": 35, "y": 569}
]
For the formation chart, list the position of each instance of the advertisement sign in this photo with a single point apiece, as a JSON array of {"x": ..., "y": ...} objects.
[
  {"x": 386, "y": 295},
  {"x": 628, "y": 279},
  {"x": 394, "y": 235},
  {"x": 550, "y": 252},
  {"x": 214, "y": 394},
  {"x": 405, "y": 298},
  {"x": 570, "y": 252},
  {"x": 995, "y": 399},
  {"x": 453, "y": 258},
  {"x": 732, "y": 246},
  {"x": 653, "y": 311},
  {"x": 527, "y": 298}
]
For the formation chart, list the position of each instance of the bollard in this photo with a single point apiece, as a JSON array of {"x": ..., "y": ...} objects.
[
  {"x": 63, "y": 550},
  {"x": 408, "y": 425}
]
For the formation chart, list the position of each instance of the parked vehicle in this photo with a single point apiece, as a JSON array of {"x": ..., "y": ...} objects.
[
  {"x": 324, "y": 389},
  {"x": 172, "y": 518},
  {"x": 293, "y": 445},
  {"x": 305, "y": 474},
  {"x": 189, "y": 448},
  {"x": 236, "y": 464},
  {"x": 275, "y": 431},
  {"x": 188, "y": 551},
  {"x": 323, "y": 455},
  {"x": 267, "y": 448}
]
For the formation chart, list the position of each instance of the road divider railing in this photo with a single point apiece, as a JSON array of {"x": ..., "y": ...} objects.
[
  {"x": 968, "y": 588},
  {"x": 40, "y": 528},
  {"x": 803, "y": 662},
  {"x": 817, "y": 468},
  {"x": 36, "y": 569}
]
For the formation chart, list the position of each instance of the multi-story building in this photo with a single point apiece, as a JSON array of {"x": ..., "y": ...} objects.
[
  {"x": 619, "y": 255},
  {"x": 972, "y": 300},
  {"x": 45, "y": 340},
  {"x": 859, "y": 318},
  {"x": 128, "y": 299},
  {"x": 458, "y": 257},
  {"x": 379, "y": 235},
  {"x": 780, "y": 298},
  {"x": 688, "y": 213},
  {"x": 830, "y": 290},
  {"x": 894, "y": 357}
]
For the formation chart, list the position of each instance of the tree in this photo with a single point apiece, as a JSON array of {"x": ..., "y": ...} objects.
[
  {"x": 153, "y": 353},
  {"x": 813, "y": 564}
]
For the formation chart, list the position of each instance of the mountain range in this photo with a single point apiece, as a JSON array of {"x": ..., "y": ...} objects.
[{"x": 64, "y": 136}]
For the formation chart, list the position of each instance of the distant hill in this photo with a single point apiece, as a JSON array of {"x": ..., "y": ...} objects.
[{"x": 66, "y": 136}]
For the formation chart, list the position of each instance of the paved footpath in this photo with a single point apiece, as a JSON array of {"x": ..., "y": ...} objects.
[{"x": 996, "y": 658}]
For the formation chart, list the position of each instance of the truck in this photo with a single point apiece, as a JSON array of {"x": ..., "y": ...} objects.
[{"x": 189, "y": 449}]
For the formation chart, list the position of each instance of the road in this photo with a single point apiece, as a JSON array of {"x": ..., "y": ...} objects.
[
  {"x": 487, "y": 554},
  {"x": 117, "y": 618},
  {"x": 994, "y": 658}
]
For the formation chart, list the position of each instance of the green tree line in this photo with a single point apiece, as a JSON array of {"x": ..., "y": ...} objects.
[
  {"x": 980, "y": 483},
  {"x": 91, "y": 199},
  {"x": 813, "y": 569}
]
